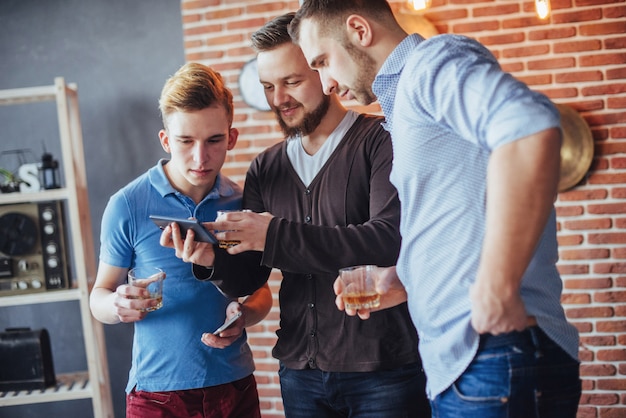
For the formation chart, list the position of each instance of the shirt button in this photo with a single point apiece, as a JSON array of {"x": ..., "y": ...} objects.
[
  {"x": 307, "y": 219},
  {"x": 309, "y": 276},
  {"x": 312, "y": 334},
  {"x": 311, "y": 305},
  {"x": 307, "y": 192}
]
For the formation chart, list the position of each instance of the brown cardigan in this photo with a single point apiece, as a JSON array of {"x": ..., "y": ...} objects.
[{"x": 348, "y": 215}]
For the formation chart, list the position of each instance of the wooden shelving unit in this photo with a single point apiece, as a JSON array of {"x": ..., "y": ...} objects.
[{"x": 94, "y": 382}]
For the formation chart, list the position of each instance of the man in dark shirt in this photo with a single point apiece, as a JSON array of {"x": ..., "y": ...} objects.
[{"x": 322, "y": 200}]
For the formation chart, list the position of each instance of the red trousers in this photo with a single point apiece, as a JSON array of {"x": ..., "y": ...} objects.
[{"x": 237, "y": 399}]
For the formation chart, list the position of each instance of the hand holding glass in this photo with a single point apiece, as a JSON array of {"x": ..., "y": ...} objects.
[
  {"x": 359, "y": 288},
  {"x": 150, "y": 278}
]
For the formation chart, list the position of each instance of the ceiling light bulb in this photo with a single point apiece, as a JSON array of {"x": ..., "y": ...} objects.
[
  {"x": 543, "y": 8},
  {"x": 418, "y": 5}
]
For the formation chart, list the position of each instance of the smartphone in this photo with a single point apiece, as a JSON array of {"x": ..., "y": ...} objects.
[
  {"x": 201, "y": 234},
  {"x": 226, "y": 324}
]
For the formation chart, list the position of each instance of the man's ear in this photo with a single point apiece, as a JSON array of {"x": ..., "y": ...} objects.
[
  {"x": 359, "y": 30},
  {"x": 165, "y": 141},
  {"x": 233, "y": 134}
]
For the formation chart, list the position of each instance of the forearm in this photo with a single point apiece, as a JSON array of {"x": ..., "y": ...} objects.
[
  {"x": 256, "y": 306},
  {"x": 522, "y": 183},
  {"x": 101, "y": 303}
]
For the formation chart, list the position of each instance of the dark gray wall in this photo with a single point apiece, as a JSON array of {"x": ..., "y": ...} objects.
[{"x": 119, "y": 52}]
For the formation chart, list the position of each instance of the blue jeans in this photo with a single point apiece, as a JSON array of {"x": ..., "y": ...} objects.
[
  {"x": 515, "y": 375},
  {"x": 396, "y": 393}
]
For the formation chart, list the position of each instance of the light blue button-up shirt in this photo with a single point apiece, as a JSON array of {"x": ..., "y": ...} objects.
[{"x": 448, "y": 105}]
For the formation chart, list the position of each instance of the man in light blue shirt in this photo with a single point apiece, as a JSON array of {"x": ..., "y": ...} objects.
[{"x": 476, "y": 165}]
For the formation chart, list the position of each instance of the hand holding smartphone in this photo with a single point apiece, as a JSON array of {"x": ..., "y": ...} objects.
[
  {"x": 227, "y": 323},
  {"x": 201, "y": 234}
]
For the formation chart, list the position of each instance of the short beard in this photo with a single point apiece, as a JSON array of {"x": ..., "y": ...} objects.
[
  {"x": 362, "y": 88},
  {"x": 309, "y": 123}
]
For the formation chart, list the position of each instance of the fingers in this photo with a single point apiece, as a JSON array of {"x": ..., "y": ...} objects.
[{"x": 132, "y": 303}]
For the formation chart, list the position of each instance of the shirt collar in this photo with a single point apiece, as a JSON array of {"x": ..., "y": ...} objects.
[{"x": 395, "y": 62}]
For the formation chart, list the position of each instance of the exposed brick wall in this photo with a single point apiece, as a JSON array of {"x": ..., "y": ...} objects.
[{"x": 577, "y": 57}]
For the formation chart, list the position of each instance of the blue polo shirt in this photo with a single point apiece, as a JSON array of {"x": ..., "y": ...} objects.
[
  {"x": 167, "y": 351},
  {"x": 448, "y": 105}
]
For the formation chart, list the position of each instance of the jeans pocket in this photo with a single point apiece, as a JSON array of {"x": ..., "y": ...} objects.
[
  {"x": 487, "y": 379},
  {"x": 142, "y": 397}
]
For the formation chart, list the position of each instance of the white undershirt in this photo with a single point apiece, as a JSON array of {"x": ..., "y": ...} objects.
[{"x": 307, "y": 166}]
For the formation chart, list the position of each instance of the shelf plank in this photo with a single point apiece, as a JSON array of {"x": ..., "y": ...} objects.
[
  {"x": 44, "y": 195},
  {"x": 68, "y": 387},
  {"x": 40, "y": 297},
  {"x": 27, "y": 95}
]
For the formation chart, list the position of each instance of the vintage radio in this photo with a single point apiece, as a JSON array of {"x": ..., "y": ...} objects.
[{"x": 32, "y": 248}]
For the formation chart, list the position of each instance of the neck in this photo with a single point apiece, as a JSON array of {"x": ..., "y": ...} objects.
[{"x": 336, "y": 112}]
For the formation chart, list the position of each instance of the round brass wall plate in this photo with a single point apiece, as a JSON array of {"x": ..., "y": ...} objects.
[{"x": 576, "y": 149}]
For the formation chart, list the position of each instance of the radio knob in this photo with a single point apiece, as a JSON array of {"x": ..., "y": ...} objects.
[
  {"x": 23, "y": 265},
  {"x": 48, "y": 229},
  {"x": 47, "y": 215},
  {"x": 36, "y": 284},
  {"x": 51, "y": 248},
  {"x": 53, "y": 262},
  {"x": 22, "y": 285}
]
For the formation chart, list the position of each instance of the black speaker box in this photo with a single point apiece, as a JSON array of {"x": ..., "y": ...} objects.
[{"x": 25, "y": 360}]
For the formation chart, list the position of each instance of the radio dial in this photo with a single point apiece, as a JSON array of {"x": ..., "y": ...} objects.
[
  {"x": 47, "y": 215},
  {"x": 53, "y": 262},
  {"x": 22, "y": 285},
  {"x": 23, "y": 265},
  {"x": 51, "y": 248},
  {"x": 48, "y": 229},
  {"x": 36, "y": 284}
]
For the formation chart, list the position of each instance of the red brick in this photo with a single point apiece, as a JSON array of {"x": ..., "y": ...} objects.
[
  {"x": 614, "y": 12},
  {"x": 497, "y": 10},
  {"x": 604, "y": 89},
  {"x": 612, "y": 412},
  {"x": 598, "y": 340},
  {"x": 619, "y": 252},
  {"x": 583, "y": 327},
  {"x": 611, "y": 326},
  {"x": 591, "y": 312},
  {"x": 525, "y": 51},
  {"x": 615, "y": 43},
  {"x": 577, "y": 16},
  {"x": 618, "y": 27},
  {"x": 573, "y": 268},
  {"x": 616, "y": 73},
  {"x": 567, "y": 240},
  {"x": 588, "y": 194},
  {"x": 511, "y": 38},
  {"x": 603, "y": 283},
  {"x": 535, "y": 80},
  {"x": 575, "y": 299},
  {"x": 604, "y": 268},
  {"x": 606, "y": 178},
  {"x": 467, "y": 28},
  {"x": 597, "y": 370},
  {"x": 523, "y": 22},
  {"x": 217, "y": 14},
  {"x": 578, "y": 76},
  {"x": 612, "y": 384},
  {"x": 587, "y": 224},
  {"x": 610, "y": 297},
  {"x": 569, "y": 211},
  {"x": 585, "y": 254},
  {"x": 552, "y": 33},
  {"x": 607, "y": 238}
]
